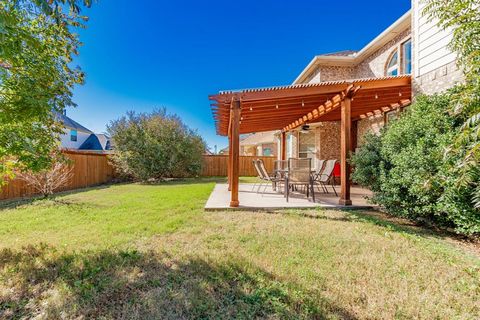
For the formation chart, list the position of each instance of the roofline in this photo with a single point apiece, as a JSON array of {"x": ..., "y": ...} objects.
[{"x": 401, "y": 23}]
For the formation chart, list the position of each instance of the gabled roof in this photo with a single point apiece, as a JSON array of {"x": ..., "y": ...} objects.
[
  {"x": 70, "y": 123},
  {"x": 96, "y": 142},
  {"x": 352, "y": 58}
]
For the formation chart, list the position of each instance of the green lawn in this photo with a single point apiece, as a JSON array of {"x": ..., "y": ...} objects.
[{"x": 151, "y": 252}]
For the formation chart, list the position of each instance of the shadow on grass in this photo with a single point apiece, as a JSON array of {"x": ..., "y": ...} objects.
[
  {"x": 392, "y": 223},
  {"x": 132, "y": 284}
]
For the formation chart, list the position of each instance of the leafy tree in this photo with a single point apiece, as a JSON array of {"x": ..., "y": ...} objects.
[
  {"x": 36, "y": 78},
  {"x": 154, "y": 146},
  {"x": 463, "y": 17}
]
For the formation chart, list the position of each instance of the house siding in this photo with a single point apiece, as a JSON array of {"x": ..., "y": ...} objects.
[
  {"x": 434, "y": 64},
  {"x": 66, "y": 143}
]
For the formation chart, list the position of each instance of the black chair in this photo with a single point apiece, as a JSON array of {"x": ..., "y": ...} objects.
[{"x": 299, "y": 174}]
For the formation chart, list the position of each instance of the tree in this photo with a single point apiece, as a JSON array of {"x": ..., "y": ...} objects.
[
  {"x": 463, "y": 17},
  {"x": 37, "y": 46},
  {"x": 154, "y": 146}
]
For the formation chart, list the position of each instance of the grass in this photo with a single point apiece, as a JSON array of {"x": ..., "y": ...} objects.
[{"x": 150, "y": 252}]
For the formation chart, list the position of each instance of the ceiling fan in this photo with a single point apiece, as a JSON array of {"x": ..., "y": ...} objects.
[{"x": 305, "y": 128}]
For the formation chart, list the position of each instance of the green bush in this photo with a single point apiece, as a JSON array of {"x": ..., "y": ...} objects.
[
  {"x": 155, "y": 146},
  {"x": 411, "y": 172}
]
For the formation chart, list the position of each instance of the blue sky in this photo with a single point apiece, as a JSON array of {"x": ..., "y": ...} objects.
[{"x": 141, "y": 55}]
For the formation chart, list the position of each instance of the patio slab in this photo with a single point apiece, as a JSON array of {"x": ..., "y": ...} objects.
[{"x": 250, "y": 199}]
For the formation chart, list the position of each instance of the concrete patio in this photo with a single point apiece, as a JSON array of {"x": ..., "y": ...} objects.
[{"x": 272, "y": 200}]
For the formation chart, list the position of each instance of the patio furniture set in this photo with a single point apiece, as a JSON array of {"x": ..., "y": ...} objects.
[{"x": 296, "y": 173}]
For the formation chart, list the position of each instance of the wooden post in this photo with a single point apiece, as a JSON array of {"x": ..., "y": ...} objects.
[
  {"x": 283, "y": 145},
  {"x": 235, "y": 164},
  {"x": 345, "y": 142},
  {"x": 229, "y": 162}
]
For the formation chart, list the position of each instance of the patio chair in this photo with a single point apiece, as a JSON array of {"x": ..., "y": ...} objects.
[
  {"x": 275, "y": 179},
  {"x": 319, "y": 166},
  {"x": 326, "y": 176},
  {"x": 259, "y": 174},
  {"x": 299, "y": 174}
]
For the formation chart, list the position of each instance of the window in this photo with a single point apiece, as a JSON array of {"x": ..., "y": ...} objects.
[
  {"x": 307, "y": 145},
  {"x": 407, "y": 57},
  {"x": 73, "y": 135},
  {"x": 267, "y": 152},
  {"x": 392, "y": 66}
]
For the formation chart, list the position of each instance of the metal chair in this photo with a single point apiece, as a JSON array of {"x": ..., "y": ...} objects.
[
  {"x": 326, "y": 176},
  {"x": 299, "y": 174},
  {"x": 268, "y": 178}
]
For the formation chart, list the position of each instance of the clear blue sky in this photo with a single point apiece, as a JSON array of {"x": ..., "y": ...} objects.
[{"x": 139, "y": 55}]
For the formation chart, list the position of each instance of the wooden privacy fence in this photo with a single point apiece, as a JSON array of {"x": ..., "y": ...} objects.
[
  {"x": 216, "y": 165},
  {"x": 89, "y": 169}
]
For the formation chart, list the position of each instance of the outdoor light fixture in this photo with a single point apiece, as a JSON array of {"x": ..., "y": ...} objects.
[
  {"x": 303, "y": 103},
  {"x": 376, "y": 96},
  {"x": 276, "y": 106},
  {"x": 399, "y": 94},
  {"x": 251, "y": 108}
]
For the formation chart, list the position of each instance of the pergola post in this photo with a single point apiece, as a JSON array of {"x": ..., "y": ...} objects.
[
  {"x": 235, "y": 151},
  {"x": 229, "y": 162},
  {"x": 283, "y": 145},
  {"x": 345, "y": 142}
]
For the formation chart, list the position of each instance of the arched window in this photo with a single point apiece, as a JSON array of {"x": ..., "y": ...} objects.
[{"x": 392, "y": 65}]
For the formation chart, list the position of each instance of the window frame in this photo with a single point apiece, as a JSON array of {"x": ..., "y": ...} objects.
[
  {"x": 73, "y": 135},
  {"x": 403, "y": 46},
  {"x": 389, "y": 69}
]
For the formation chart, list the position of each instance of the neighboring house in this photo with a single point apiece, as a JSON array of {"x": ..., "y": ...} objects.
[
  {"x": 74, "y": 134},
  {"x": 97, "y": 141},
  {"x": 259, "y": 144},
  {"x": 411, "y": 45},
  {"x": 78, "y": 137}
]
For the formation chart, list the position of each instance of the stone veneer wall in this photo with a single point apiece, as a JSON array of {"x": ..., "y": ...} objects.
[
  {"x": 333, "y": 73},
  {"x": 374, "y": 124},
  {"x": 328, "y": 140},
  {"x": 437, "y": 80},
  {"x": 375, "y": 65}
]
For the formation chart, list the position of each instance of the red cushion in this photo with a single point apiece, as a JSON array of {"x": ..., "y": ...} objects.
[{"x": 336, "y": 170}]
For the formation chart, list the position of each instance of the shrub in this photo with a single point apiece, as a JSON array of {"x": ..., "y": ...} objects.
[
  {"x": 410, "y": 171},
  {"x": 155, "y": 146},
  {"x": 49, "y": 180}
]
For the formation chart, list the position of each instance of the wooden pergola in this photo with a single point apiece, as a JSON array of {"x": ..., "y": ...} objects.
[{"x": 286, "y": 108}]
